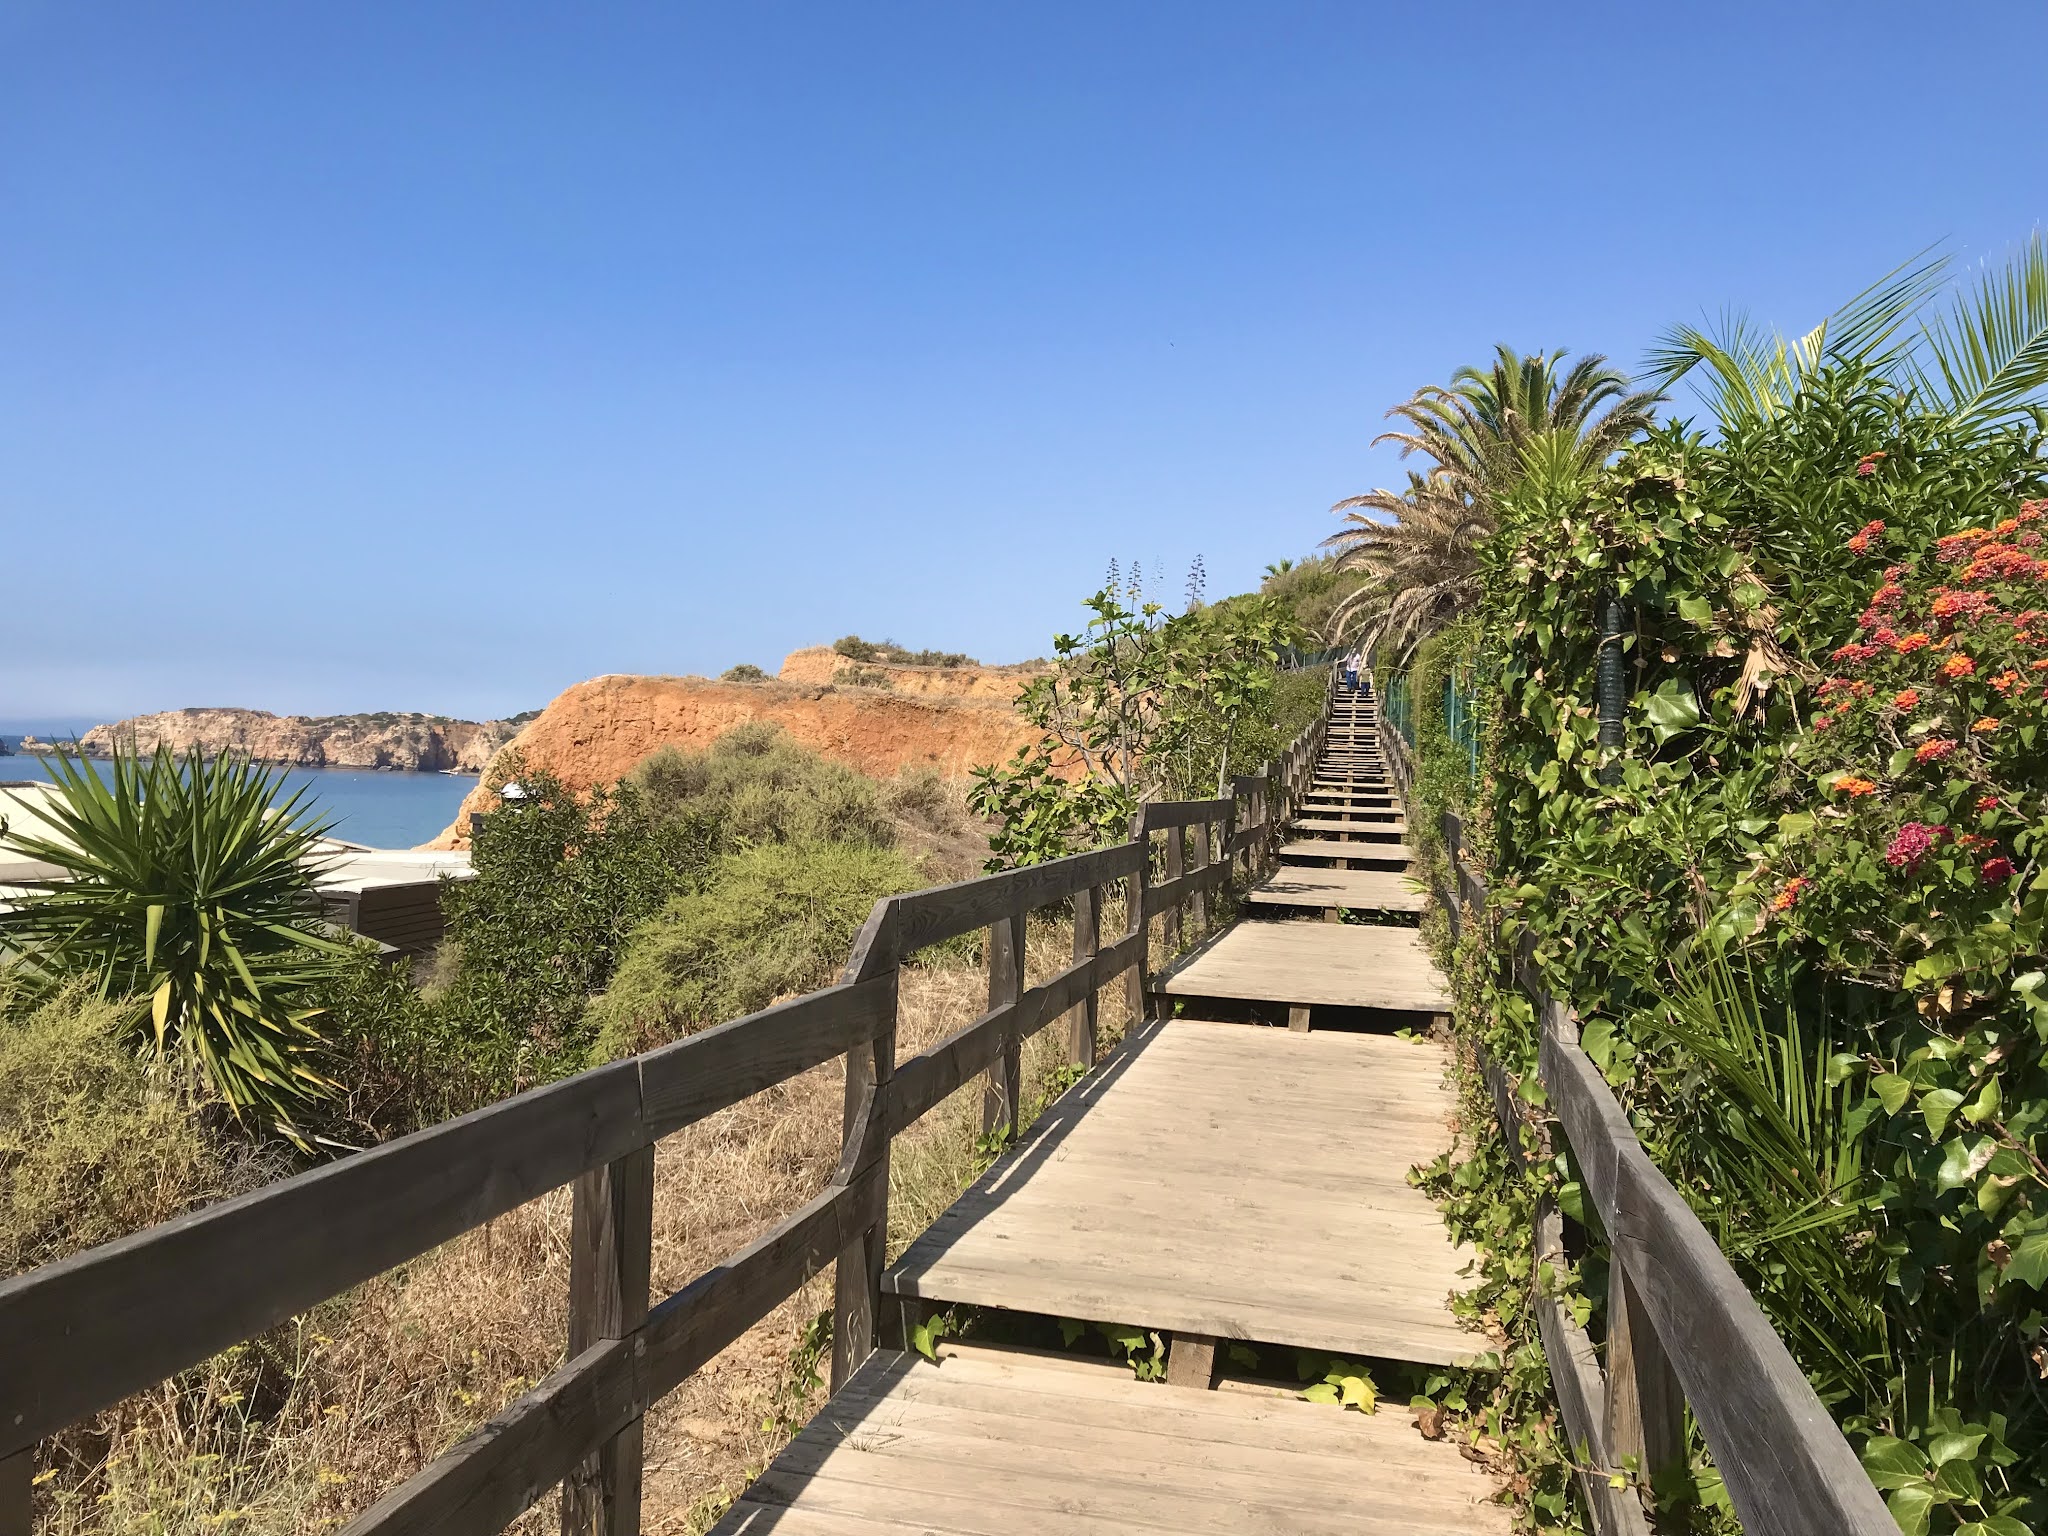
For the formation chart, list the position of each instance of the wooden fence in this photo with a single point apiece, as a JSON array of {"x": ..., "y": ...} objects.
[
  {"x": 83, "y": 1334},
  {"x": 1682, "y": 1329}
]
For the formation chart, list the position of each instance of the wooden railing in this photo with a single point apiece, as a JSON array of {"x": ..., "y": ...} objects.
[
  {"x": 1682, "y": 1329},
  {"x": 80, "y": 1335}
]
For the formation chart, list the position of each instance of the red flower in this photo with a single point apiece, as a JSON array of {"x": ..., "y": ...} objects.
[
  {"x": 1935, "y": 750},
  {"x": 1788, "y": 897},
  {"x": 1987, "y": 802},
  {"x": 1860, "y": 541},
  {"x": 1997, "y": 869},
  {"x": 1867, "y": 466},
  {"x": 1909, "y": 846},
  {"x": 1906, "y": 698}
]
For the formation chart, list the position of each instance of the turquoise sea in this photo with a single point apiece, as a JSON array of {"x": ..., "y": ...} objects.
[{"x": 384, "y": 810}]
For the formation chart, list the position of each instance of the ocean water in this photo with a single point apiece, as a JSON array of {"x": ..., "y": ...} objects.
[{"x": 384, "y": 810}]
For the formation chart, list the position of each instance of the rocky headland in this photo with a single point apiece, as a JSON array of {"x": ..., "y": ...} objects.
[
  {"x": 420, "y": 743},
  {"x": 948, "y": 719}
]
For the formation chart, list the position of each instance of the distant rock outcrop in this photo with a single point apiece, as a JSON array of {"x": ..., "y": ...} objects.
[
  {"x": 598, "y": 731},
  {"x": 415, "y": 742},
  {"x": 819, "y": 665}
]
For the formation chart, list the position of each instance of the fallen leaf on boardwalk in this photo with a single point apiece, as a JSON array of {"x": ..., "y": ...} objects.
[{"x": 1429, "y": 1419}]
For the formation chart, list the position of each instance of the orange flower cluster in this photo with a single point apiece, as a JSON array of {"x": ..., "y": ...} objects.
[
  {"x": 1855, "y": 788},
  {"x": 1958, "y": 666},
  {"x": 1906, "y": 698},
  {"x": 1934, "y": 750},
  {"x": 1788, "y": 897},
  {"x": 1861, "y": 542}
]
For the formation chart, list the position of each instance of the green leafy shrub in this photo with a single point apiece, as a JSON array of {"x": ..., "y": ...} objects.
[
  {"x": 856, "y": 649},
  {"x": 187, "y": 906},
  {"x": 745, "y": 672},
  {"x": 773, "y": 920},
  {"x": 755, "y": 785},
  {"x": 91, "y": 1148},
  {"x": 561, "y": 880},
  {"x": 1858, "y": 1114},
  {"x": 1140, "y": 706}
]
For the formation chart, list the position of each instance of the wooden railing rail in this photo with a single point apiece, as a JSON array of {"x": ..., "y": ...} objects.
[
  {"x": 80, "y": 1335},
  {"x": 1682, "y": 1329}
]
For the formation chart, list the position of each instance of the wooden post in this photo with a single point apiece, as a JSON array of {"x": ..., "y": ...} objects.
[
  {"x": 1191, "y": 1361},
  {"x": 17, "y": 1492},
  {"x": 1087, "y": 1013},
  {"x": 1170, "y": 870},
  {"x": 1645, "y": 1403},
  {"x": 857, "y": 1274},
  {"x": 1199, "y": 902},
  {"x": 611, "y": 1250},
  {"x": 1135, "y": 887},
  {"x": 1297, "y": 1018},
  {"x": 1005, "y": 983}
]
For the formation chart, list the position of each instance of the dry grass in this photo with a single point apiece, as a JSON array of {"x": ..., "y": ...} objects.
[{"x": 299, "y": 1430}]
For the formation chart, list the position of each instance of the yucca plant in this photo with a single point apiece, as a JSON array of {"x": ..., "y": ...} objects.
[{"x": 189, "y": 901}]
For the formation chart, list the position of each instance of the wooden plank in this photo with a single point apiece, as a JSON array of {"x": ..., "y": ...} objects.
[
  {"x": 902, "y": 925},
  {"x": 1166, "y": 896},
  {"x": 611, "y": 1249},
  {"x": 1645, "y": 1404},
  {"x": 1787, "y": 1467},
  {"x": 1359, "y": 890},
  {"x": 17, "y": 1493},
  {"x": 1398, "y": 854},
  {"x": 91, "y": 1329},
  {"x": 1199, "y": 1184},
  {"x": 683, "y": 1083},
  {"x": 1314, "y": 963},
  {"x": 1191, "y": 1361},
  {"x": 1581, "y": 1393},
  {"x": 864, "y": 1151},
  {"x": 487, "y": 1480},
  {"x": 939, "y": 1070},
  {"x": 971, "y": 1449},
  {"x": 1161, "y": 814},
  {"x": 1086, "y": 1014},
  {"x": 1005, "y": 986}
]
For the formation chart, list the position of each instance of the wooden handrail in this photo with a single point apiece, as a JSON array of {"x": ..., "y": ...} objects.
[
  {"x": 1682, "y": 1327},
  {"x": 84, "y": 1333}
]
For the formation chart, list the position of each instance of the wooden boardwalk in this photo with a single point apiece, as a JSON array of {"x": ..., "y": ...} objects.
[
  {"x": 1015, "y": 1445},
  {"x": 1224, "y": 1181},
  {"x": 1212, "y": 1182}
]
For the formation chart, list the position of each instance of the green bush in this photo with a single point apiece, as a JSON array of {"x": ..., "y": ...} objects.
[
  {"x": 772, "y": 921},
  {"x": 90, "y": 1148},
  {"x": 561, "y": 880},
  {"x": 745, "y": 672},
  {"x": 755, "y": 785},
  {"x": 856, "y": 649}
]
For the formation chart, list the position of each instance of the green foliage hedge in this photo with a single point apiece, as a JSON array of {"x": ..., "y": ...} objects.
[
  {"x": 1828, "y": 1034},
  {"x": 769, "y": 922}
]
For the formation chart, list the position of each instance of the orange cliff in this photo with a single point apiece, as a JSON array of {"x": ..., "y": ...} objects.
[
  {"x": 817, "y": 665},
  {"x": 597, "y": 732}
]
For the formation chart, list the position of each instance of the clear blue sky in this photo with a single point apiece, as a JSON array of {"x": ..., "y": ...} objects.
[{"x": 437, "y": 356}]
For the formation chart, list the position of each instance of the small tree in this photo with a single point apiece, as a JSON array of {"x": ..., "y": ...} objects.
[{"x": 1140, "y": 706}]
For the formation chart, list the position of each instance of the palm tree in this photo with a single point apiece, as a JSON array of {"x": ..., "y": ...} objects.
[
  {"x": 1981, "y": 363},
  {"x": 1479, "y": 428},
  {"x": 1480, "y": 433}
]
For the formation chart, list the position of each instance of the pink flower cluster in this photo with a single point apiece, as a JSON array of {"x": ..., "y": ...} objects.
[{"x": 1911, "y": 843}]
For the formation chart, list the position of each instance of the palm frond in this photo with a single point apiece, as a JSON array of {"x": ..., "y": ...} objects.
[{"x": 1991, "y": 350}]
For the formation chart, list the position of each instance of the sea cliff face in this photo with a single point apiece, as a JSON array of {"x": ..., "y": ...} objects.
[
  {"x": 416, "y": 742},
  {"x": 598, "y": 731}
]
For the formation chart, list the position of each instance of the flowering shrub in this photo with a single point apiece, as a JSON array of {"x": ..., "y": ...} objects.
[
  {"x": 1929, "y": 755},
  {"x": 1833, "y": 776}
]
